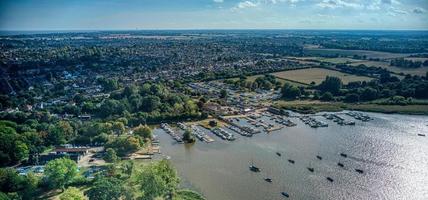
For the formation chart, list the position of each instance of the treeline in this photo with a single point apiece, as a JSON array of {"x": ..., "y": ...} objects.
[
  {"x": 265, "y": 82},
  {"x": 403, "y": 63},
  {"x": 389, "y": 87},
  {"x": 124, "y": 180},
  {"x": 148, "y": 103}
]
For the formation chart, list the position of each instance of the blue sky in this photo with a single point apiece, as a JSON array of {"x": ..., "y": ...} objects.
[{"x": 212, "y": 14}]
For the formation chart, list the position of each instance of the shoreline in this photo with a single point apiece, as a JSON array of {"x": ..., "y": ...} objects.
[{"x": 311, "y": 107}]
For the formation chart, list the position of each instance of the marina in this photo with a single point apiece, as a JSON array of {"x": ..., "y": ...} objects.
[
  {"x": 316, "y": 153},
  {"x": 171, "y": 132}
]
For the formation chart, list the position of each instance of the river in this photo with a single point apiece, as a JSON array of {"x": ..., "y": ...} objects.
[{"x": 394, "y": 159}]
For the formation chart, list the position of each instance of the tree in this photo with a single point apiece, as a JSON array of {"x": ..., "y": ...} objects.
[
  {"x": 72, "y": 193},
  {"x": 331, "y": 84},
  {"x": 223, "y": 93},
  {"x": 327, "y": 96},
  {"x": 150, "y": 103},
  {"x": 368, "y": 94},
  {"x": 352, "y": 97},
  {"x": 158, "y": 180},
  {"x": 12, "y": 146},
  {"x": 67, "y": 129},
  {"x": 106, "y": 188},
  {"x": 10, "y": 180},
  {"x": 144, "y": 132},
  {"x": 118, "y": 128},
  {"x": 188, "y": 136},
  {"x": 110, "y": 155},
  {"x": 289, "y": 91},
  {"x": 124, "y": 146},
  {"x": 60, "y": 172}
]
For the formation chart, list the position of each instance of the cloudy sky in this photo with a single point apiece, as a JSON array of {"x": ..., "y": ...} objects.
[{"x": 212, "y": 14}]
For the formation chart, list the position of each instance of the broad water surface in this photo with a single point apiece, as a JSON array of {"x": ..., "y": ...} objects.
[{"x": 394, "y": 159}]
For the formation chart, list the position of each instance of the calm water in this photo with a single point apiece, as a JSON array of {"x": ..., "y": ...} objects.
[{"x": 393, "y": 157}]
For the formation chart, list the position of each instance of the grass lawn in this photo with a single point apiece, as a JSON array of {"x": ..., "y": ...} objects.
[{"x": 317, "y": 75}]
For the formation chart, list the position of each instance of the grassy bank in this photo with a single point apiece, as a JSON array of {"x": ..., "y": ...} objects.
[{"x": 309, "y": 107}]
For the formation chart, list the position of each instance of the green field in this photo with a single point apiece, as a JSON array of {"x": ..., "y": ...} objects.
[{"x": 317, "y": 75}]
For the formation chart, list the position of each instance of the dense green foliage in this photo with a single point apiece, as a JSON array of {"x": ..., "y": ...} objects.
[
  {"x": 265, "y": 82},
  {"x": 125, "y": 145},
  {"x": 401, "y": 62},
  {"x": 289, "y": 91},
  {"x": 15, "y": 185},
  {"x": 106, "y": 188},
  {"x": 143, "y": 131},
  {"x": 188, "y": 136},
  {"x": 72, "y": 193},
  {"x": 60, "y": 172}
]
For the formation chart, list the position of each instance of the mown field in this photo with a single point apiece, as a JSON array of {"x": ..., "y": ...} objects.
[{"x": 317, "y": 75}]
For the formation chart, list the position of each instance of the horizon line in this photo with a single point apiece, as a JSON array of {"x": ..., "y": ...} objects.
[{"x": 202, "y": 29}]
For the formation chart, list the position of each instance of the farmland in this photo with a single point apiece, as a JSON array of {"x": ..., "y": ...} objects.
[
  {"x": 317, "y": 75},
  {"x": 342, "y": 52}
]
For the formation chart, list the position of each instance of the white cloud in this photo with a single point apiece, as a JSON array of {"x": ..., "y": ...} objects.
[
  {"x": 396, "y": 11},
  {"x": 218, "y": 1},
  {"x": 339, "y": 4},
  {"x": 282, "y": 1},
  {"x": 245, "y": 4}
]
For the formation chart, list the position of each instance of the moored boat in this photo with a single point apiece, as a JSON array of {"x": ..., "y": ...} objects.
[{"x": 285, "y": 194}]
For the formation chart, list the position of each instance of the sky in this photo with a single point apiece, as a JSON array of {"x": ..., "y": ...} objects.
[{"x": 212, "y": 14}]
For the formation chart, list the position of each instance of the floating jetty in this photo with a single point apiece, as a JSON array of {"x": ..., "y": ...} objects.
[
  {"x": 239, "y": 131},
  {"x": 284, "y": 121},
  {"x": 338, "y": 119},
  {"x": 360, "y": 116},
  {"x": 312, "y": 122},
  {"x": 197, "y": 132},
  {"x": 245, "y": 130},
  {"x": 202, "y": 136},
  {"x": 268, "y": 127},
  {"x": 223, "y": 134},
  {"x": 173, "y": 134}
]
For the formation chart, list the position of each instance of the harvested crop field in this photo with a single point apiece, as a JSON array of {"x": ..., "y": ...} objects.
[{"x": 317, "y": 75}]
